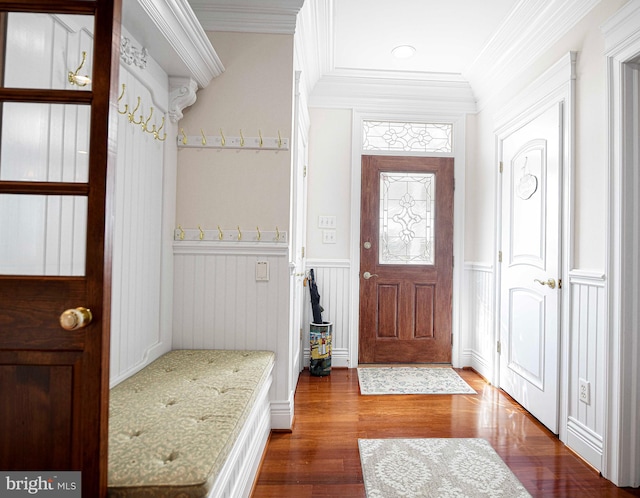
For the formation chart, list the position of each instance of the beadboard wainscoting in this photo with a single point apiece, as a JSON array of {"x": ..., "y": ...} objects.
[
  {"x": 219, "y": 304},
  {"x": 141, "y": 261},
  {"x": 333, "y": 280},
  {"x": 477, "y": 322},
  {"x": 587, "y": 365}
]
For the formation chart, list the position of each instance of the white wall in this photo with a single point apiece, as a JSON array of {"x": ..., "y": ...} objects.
[
  {"x": 330, "y": 181},
  {"x": 218, "y": 301}
]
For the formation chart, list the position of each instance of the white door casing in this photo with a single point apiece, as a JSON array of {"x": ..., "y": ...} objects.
[{"x": 530, "y": 269}]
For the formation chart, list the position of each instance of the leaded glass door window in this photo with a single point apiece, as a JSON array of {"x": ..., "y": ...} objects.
[{"x": 407, "y": 216}]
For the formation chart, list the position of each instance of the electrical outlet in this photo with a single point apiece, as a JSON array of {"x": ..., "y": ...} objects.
[
  {"x": 328, "y": 236},
  {"x": 584, "y": 391}
]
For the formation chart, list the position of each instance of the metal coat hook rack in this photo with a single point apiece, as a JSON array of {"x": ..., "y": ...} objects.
[
  {"x": 220, "y": 141},
  {"x": 218, "y": 234},
  {"x": 142, "y": 121}
]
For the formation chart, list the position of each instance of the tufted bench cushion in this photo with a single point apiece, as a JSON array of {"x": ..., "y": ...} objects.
[{"x": 172, "y": 424}]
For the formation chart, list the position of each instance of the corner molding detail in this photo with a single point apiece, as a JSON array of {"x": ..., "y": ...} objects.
[
  {"x": 132, "y": 55},
  {"x": 182, "y": 94},
  {"x": 174, "y": 37}
]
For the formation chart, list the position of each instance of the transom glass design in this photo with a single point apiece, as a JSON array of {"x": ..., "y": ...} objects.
[
  {"x": 407, "y": 218},
  {"x": 407, "y": 137}
]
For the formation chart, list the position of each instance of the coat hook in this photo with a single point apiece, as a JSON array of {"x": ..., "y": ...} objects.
[
  {"x": 75, "y": 78},
  {"x": 241, "y": 138},
  {"x": 239, "y": 233},
  {"x": 220, "y": 234},
  {"x": 204, "y": 139},
  {"x": 222, "y": 139},
  {"x": 184, "y": 137},
  {"x": 201, "y": 233},
  {"x": 132, "y": 114},
  {"x": 259, "y": 234},
  {"x": 277, "y": 234},
  {"x": 126, "y": 106},
  {"x": 156, "y": 133},
  {"x": 145, "y": 125},
  {"x": 181, "y": 232},
  {"x": 279, "y": 140}
]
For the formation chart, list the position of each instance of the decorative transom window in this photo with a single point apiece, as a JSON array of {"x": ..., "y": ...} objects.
[{"x": 407, "y": 137}]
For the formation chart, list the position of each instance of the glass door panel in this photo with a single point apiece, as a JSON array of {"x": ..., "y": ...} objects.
[
  {"x": 48, "y": 51},
  {"x": 407, "y": 218},
  {"x": 45, "y": 142},
  {"x": 43, "y": 235}
]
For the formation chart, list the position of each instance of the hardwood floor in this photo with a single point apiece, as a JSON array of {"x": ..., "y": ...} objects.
[{"x": 320, "y": 458}]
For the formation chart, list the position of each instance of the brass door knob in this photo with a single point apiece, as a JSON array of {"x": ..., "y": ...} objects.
[
  {"x": 74, "y": 319},
  {"x": 366, "y": 275}
]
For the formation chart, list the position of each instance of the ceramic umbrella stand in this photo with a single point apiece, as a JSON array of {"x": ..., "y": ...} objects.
[{"x": 319, "y": 334}]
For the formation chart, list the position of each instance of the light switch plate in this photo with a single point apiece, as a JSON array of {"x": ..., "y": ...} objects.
[
  {"x": 326, "y": 221},
  {"x": 328, "y": 236},
  {"x": 262, "y": 271}
]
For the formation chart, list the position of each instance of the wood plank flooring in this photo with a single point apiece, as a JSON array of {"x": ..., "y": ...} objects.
[{"x": 320, "y": 458}]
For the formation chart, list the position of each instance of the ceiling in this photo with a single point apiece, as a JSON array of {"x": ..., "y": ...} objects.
[
  {"x": 447, "y": 35},
  {"x": 472, "y": 47}
]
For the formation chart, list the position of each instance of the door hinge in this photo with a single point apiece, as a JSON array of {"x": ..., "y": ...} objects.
[
  {"x": 499, "y": 347},
  {"x": 302, "y": 252},
  {"x": 499, "y": 256},
  {"x": 501, "y": 167},
  {"x": 304, "y": 171},
  {"x": 559, "y": 283}
]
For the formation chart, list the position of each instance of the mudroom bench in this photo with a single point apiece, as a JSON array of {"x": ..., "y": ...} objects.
[{"x": 194, "y": 423}]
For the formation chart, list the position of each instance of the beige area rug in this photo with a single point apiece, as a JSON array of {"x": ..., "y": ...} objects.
[
  {"x": 412, "y": 380},
  {"x": 412, "y": 468}
]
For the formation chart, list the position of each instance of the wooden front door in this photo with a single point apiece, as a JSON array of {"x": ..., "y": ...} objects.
[
  {"x": 56, "y": 156},
  {"x": 406, "y": 259}
]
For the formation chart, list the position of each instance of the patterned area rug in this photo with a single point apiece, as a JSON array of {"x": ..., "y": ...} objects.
[
  {"x": 435, "y": 467},
  {"x": 411, "y": 380}
]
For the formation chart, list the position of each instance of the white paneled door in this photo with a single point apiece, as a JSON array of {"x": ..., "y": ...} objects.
[{"x": 530, "y": 269}]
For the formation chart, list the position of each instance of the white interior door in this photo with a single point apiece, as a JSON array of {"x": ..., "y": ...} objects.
[
  {"x": 530, "y": 270},
  {"x": 299, "y": 227}
]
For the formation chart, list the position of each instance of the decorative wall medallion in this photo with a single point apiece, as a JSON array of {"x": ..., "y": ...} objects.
[{"x": 132, "y": 55}]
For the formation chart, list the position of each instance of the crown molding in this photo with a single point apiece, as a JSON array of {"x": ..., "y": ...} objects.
[
  {"x": 248, "y": 16},
  {"x": 531, "y": 28},
  {"x": 393, "y": 91},
  {"x": 620, "y": 30},
  {"x": 171, "y": 32},
  {"x": 313, "y": 41}
]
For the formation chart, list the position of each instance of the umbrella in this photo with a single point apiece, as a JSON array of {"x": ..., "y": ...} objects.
[{"x": 315, "y": 298}]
